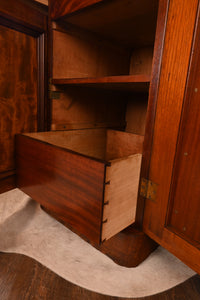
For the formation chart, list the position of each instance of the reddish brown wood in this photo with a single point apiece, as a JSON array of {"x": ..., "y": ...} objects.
[
  {"x": 69, "y": 185},
  {"x": 152, "y": 101},
  {"x": 129, "y": 247},
  {"x": 7, "y": 181},
  {"x": 130, "y": 82},
  {"x": 22, "y": 68},
  {"x": 77, "y": 108},
  {"x": 131, "y": 23},
  {"x": 18, "y": 94},
  {"x": 81, "y": 54},
  {"x": 24, "y": 278},
  {"x": 60, "y": 8},
  {"x": 20, "y": 13},
  {"x": 173, "y": 78},
  {"x": 185, "y": 205}
]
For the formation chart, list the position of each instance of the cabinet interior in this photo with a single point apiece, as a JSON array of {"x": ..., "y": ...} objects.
[{"x": 102, "y": 66}]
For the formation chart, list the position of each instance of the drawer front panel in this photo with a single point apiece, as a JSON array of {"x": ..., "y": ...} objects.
[{"x": 69, "y": 185}]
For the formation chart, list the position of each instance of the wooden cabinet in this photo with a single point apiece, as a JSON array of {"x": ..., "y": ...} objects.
[{"x": 129, "y": 67}]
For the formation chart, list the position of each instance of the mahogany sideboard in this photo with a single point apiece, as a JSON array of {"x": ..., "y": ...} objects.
[{"x": 127, "y": 68}]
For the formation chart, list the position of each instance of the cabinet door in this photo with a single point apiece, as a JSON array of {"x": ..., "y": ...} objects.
[
  {"x": 173, "y": 218},
  {"x": 18, "y": 94},
  {"x": 21, "y": 80}
]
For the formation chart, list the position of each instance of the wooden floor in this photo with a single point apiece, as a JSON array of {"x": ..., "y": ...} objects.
[{"x": 24, "y": 278}]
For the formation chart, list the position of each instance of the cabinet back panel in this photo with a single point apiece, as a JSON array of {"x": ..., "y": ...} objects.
[
  {"x": 80, "y": 57},
  {"x": 136, "y": 114},
  {"x": 141, "y": 61},
  {"x": 88, "y": 108}
]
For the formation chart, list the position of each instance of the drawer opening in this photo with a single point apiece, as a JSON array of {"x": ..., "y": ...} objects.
[{"x": 102, "y": 144}]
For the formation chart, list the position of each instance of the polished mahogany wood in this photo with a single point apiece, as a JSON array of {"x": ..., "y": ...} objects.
[
  {"x": 129, "y": 247},
  {"x": 18, "y": 93},
  {"x": 23, "y": 96},
  {"x": 60, "y": 8},
  {"x": 184, "y": 206},
  {"x": 23, "y": 278},
  {"x": 21, "y": 14},
  {"x": 152, "y": 101},
  {"x": 136, "y": 83},
  {"x": 97, "y": 203},
  {"x": 175, "y": 62},
  {"x": 130, "y": 23},
  {"x": 66, "y": 183}
]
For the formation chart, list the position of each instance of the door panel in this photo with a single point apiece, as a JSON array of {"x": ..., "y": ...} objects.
[
  {"x": 184, "y": 208},
  {"x": 18, "y": 93},
  {"x": 178, "y": 48},
  {"x": 23, "y": 99}
]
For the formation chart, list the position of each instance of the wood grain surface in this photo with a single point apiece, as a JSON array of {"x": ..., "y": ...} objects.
[
  {"x": 69, "y": 177},
  {"x": 136, "y": 114},
  {"x": 122, "y": 144},
  {"x": 131, "y": 23},
  {"x": 178, "y": 40},
  {"x": 90, "y": 142},
  {"x": 88, "y": 108},
  {"x": 148, "y": 115},
  {"x": 79, "y": 54},
  {"x": 134, "y": 83},
  {"x": 22, "y": 14},
  {"x": 60, "y": 8},
  {"x": 22, "y": 68},
  {"x": 18, "y": 94},
  {"x": 68, "y": 184},
  {"x": 24, "y": 278},
  {"x": 120, "y": 195},
  {"x": 185, "y": 205}
]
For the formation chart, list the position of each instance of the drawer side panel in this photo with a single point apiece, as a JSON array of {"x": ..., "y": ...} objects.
[{"x": 121, "y": 191}]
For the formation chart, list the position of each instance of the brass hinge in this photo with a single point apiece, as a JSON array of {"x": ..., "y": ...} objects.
[
  {"x": 148, "y": 189},
  {"x": 54, "y": 95}
]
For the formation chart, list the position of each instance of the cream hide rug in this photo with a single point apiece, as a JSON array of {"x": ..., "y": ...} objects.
[{"x": 26, "y": 229}]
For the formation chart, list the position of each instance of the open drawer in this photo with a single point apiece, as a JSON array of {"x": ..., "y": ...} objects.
[{"x": 86, "y": 178}]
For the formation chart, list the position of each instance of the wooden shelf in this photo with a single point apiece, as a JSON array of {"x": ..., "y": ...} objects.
[{"x": 137, "y": 83}]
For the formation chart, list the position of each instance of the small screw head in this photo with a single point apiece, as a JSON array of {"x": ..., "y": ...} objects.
[{"x": 196, "y": 90}]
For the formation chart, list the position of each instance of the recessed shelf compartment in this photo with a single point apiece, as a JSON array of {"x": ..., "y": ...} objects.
[
  {"x": 136, "y": 83},
  {"x": 129, "y": 22},
  {"x": 88, "y": 178}
]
